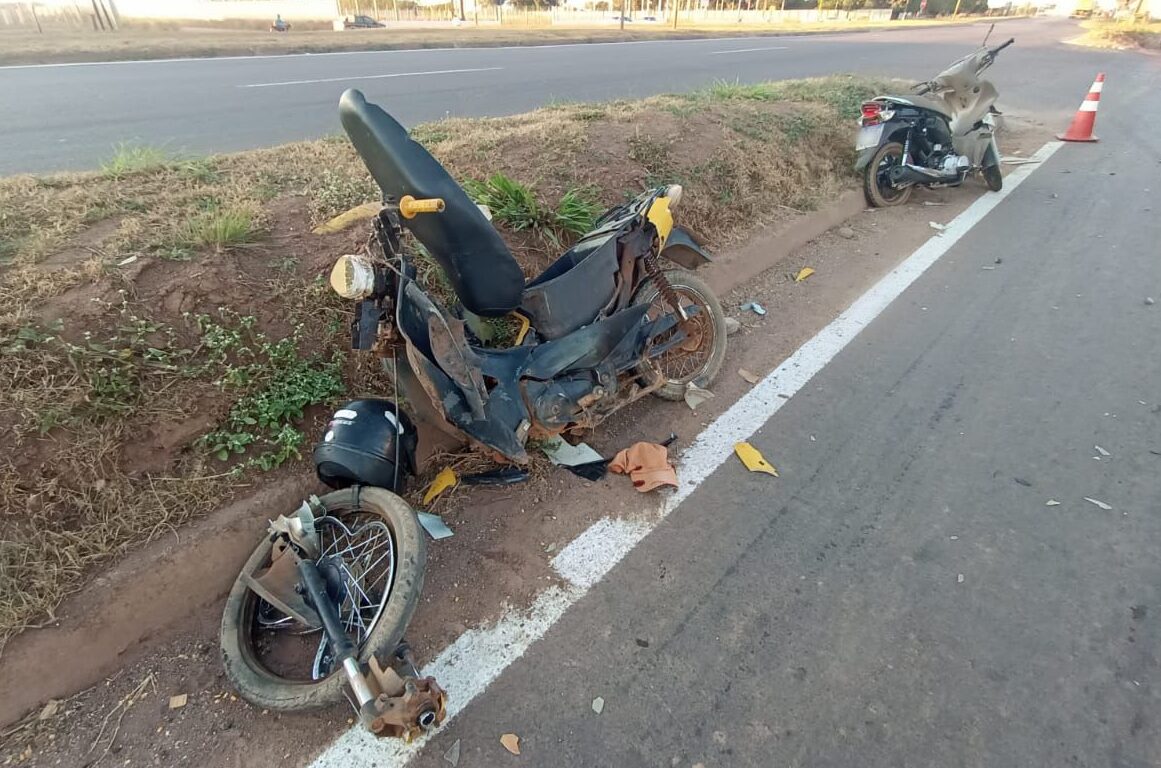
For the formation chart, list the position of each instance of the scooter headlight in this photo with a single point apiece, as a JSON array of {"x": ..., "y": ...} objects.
[
  {"x": 673, "y": 192},
  {"x": 353, "y": 277}
]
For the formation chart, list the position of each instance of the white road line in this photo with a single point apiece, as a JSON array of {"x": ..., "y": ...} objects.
[
  {"x": 469, "y": 665},
  {"x": 371, "y": 77},
  {"x": 748, "y": 50}
]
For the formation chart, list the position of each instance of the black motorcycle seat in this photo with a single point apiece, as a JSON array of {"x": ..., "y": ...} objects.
[
  {"x": 935, "y": 105},
  {"x": 482, "y": 271}
]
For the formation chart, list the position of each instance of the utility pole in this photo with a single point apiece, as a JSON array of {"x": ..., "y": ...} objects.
[
  {"x": 676, "y": 8},
  {"x": 956, "y": 11},
  {"x": 621, "y": 18}
]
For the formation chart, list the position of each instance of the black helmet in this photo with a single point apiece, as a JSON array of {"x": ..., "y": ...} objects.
[{"x": 368, "y": 442}]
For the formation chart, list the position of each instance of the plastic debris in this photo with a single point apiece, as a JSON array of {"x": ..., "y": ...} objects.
[
  {"x": 695, "y": 395},
  {"x": 936, "y": 226},
  {"x": 434, "y": 525},
  {"x": 1099, "y": 503},
  {"x": 749, "y": 376},
  {"x": 444, "y": 480},
  {"x": 1101, "y": 451},
  {"x": 733, "y": 325},
  {"x": 561, "y": 452},
  {"x": 592, "y": 471},
  {"x": 1052, "y": 503},
  {"x": 755, "y": 307},
  {"x": 753, "y": 459},
  {"x": 598, "y": 705},
  {"x": 453, "y": 754},
  {"x": 178, "y": 701},
  {"x": 959, "y": 578},
  {"x": 1149, "y": 301},
  {"x": 501, "y": 476},
  {"x": 126, "y": 262},
  {"x": 511, "y": 743},
  {"x": 931, "y": 203},
  {"x": 803, "y": 273},
  {"x": 49, "y": 710},
  {"x": 647, "y": 465}
]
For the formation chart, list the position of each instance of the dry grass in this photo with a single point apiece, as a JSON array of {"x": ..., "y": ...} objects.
[
  {"x": 166, "y": 313},
  {"x": 61, "y": 45},
  {"x": 1122, "y": 35}
]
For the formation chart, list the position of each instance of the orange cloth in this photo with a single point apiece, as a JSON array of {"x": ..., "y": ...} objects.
[{"x": 646, "y": 464}]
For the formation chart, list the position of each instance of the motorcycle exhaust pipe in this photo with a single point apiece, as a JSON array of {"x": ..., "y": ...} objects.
[{"x": 913, "y": 174}]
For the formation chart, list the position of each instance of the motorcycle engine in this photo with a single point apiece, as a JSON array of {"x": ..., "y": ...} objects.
[{"x": 953, "y": 163}]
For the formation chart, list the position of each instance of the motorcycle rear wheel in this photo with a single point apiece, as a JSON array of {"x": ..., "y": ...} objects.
[
  {"x": 697, "y": 365},
  {"x": 876, "y": 188},
  {"x": 246, "y": 621}
]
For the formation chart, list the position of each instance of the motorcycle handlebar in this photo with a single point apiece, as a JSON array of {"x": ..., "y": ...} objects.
[
  {"x": 409, "y": 207},
  {"x": 999, "y": 48}
]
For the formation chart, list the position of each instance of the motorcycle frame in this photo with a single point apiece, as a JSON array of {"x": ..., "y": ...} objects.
[{"x": 495, "y": 398}]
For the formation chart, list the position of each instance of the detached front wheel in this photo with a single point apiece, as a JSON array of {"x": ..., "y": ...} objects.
[
  {"x": 877, "y": 187},
  {"x": 696, "y": 357},
  {"x": 372, "y": 560}
]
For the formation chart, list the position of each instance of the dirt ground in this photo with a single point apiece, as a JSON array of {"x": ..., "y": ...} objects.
[
  {"x": 70, "y": 45},
  {"x": 504, "y": 537}
]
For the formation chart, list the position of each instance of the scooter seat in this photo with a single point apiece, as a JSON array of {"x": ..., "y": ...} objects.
[
  {"x": 479, "y": 266},
  {"x": 923, "y": 102}
]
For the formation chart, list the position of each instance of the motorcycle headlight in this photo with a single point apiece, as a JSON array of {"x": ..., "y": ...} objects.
[
  {"x": 673, "y": 192},
  {"x": 353, "y": 277}
]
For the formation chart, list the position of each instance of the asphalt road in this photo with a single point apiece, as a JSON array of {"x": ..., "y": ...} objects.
[
  {"x": 819, "y": 619},
  {"x": 69, "y": 117}
]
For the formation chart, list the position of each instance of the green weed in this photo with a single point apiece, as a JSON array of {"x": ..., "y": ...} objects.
[
  {"x": 577, "y": 211},
  {"x": 219, "y": 228},
  {"x": 128, "y": 159},
  {"x": 510, "y": 202}
]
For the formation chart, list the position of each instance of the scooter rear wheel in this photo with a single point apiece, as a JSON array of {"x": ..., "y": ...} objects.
[
  {"x": 876, "y": 184},
  {"x": 266, "y": 656},
  {"x": 698, "y": 360}
]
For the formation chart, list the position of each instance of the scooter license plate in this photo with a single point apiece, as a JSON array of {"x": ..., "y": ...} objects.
[{"x": 869, "y": 136}]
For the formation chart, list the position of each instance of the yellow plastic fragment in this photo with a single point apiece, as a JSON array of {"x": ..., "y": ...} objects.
[{"x": 753, "y": 459}]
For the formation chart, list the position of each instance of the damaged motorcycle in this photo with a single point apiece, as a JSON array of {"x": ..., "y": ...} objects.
[
  {"x": 329, "y": 591},
  {"x": 938, "y": 137}
]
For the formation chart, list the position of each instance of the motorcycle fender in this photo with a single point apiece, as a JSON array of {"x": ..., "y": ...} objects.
[
  {"x": 683, "y": 250},
  {"x": 992, "y": 153},
  {"x": 864, "y": 157}
]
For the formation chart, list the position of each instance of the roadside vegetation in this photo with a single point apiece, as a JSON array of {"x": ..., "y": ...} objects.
[
  {"x": 167, "y": 337},
  {"x": 1122, "y": 34}
]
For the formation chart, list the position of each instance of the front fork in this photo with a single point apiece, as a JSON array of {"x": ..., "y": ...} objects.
[{"x": 388, "y": 704}]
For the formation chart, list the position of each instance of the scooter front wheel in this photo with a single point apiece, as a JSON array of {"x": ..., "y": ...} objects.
[
  {"x": 373, "y": 556},
  {"x": 876, "y": 180},
  {"x": 699, "y": 357}
]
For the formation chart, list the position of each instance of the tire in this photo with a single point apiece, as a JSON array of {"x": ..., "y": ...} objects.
[
  {"x": 993, "y": 178},
  {"x": 690, "y": 286},
  {"x": 260, "y": 686},
  {"x": 873, "y": 189}
]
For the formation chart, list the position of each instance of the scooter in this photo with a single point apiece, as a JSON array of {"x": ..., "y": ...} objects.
[
  {"x": 935, "y": 138},
  {"x": 603, "y": 326}
]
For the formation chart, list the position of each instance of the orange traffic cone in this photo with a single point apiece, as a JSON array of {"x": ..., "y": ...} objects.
[{"x": 1082, "y": 124}]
